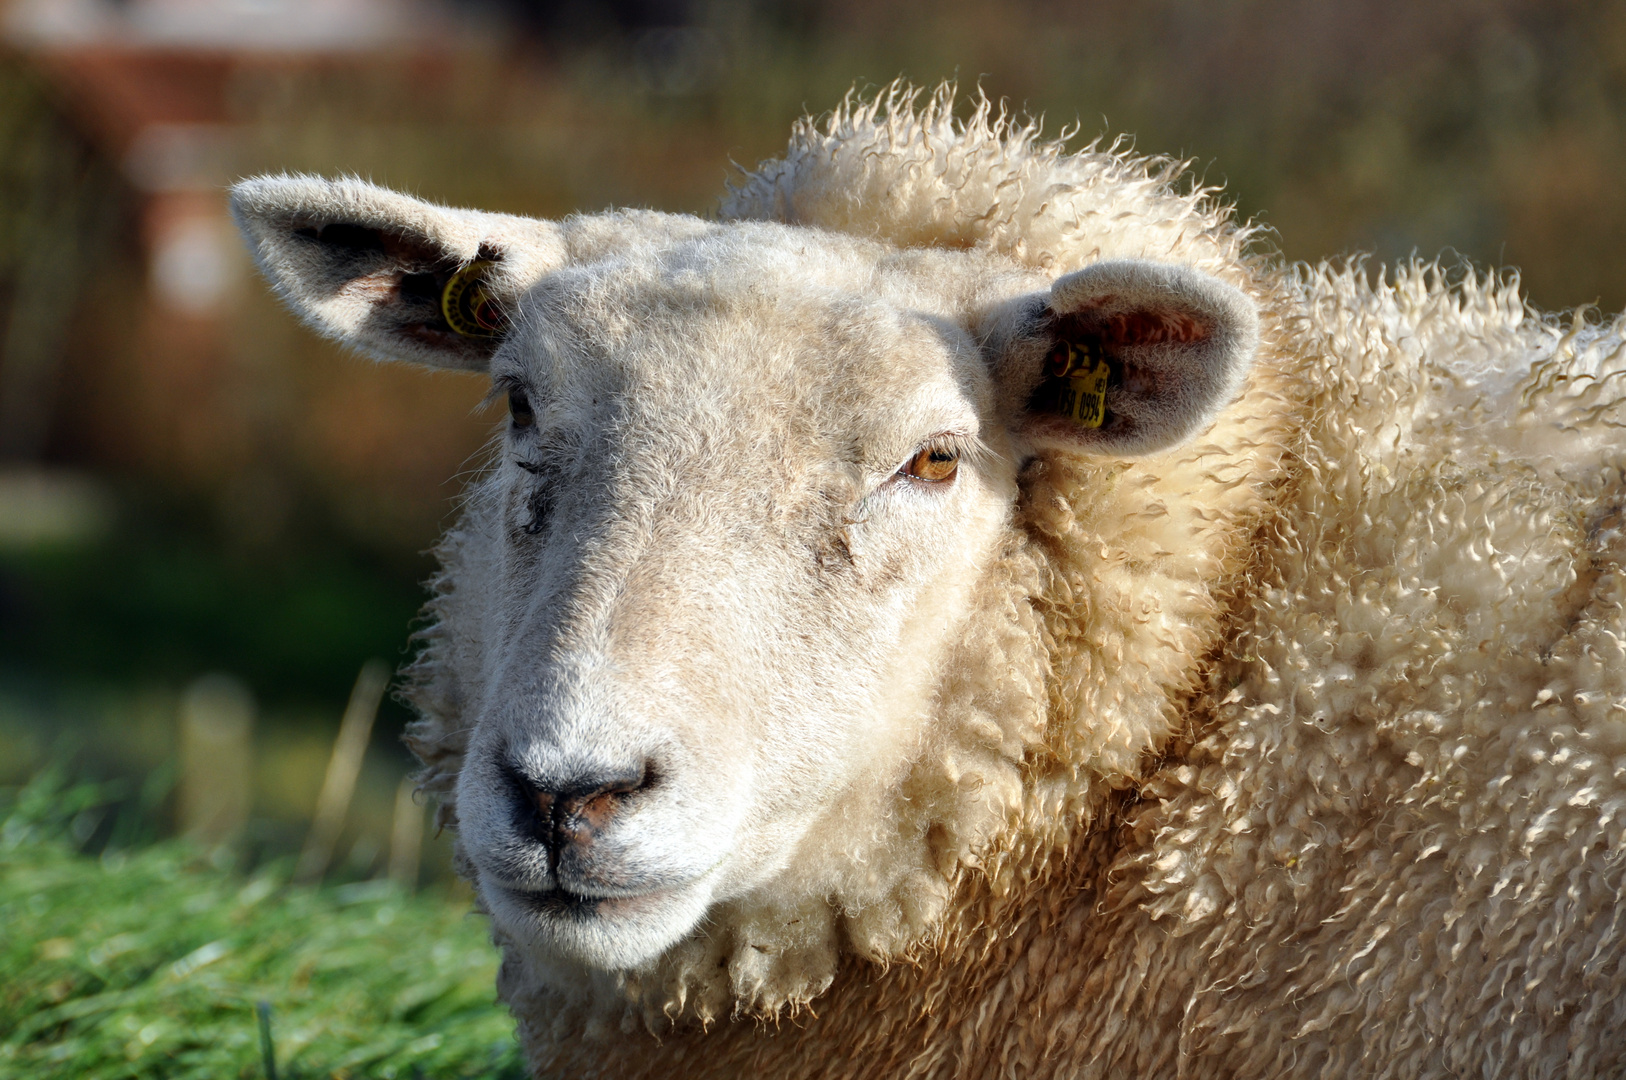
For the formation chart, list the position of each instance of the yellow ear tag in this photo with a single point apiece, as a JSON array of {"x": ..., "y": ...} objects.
[
  {"x": 1083, "y": 397},
  {"x": 468, "y": 307}
]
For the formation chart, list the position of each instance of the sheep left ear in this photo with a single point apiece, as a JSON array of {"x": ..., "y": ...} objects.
[{"x": 1125, "y": 358}]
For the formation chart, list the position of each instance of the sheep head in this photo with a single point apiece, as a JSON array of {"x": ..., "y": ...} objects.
[{"x": 755, "y": 489}]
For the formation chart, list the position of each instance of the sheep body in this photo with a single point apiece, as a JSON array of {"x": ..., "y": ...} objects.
[
  {"x": 1383, "y": 837},
  {"x": 1296, "y": 750}
]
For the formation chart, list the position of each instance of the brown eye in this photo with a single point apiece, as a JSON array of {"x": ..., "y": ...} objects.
[
  {"x": 933, "y": 464},
  {"x": 519, "y": 409}
]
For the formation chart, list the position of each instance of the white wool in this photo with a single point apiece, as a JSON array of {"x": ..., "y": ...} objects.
[{"x": 922, "y": 177}]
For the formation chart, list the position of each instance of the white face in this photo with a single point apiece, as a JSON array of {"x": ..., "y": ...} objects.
[
  {"x": 698, "y": 610},
  {"x": 736, "y": 509}
]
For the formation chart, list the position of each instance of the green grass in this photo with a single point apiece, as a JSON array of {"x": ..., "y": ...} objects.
[{"x": 149, "y": 962}]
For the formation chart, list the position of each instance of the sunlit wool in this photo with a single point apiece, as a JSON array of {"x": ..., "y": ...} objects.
[{"x": 1299, "y": 750}]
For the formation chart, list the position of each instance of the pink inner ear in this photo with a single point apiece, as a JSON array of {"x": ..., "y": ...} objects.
[{"x": 1152, "y": 327}]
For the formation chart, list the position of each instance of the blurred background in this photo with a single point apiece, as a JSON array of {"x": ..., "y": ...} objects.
[{"x": 211, "y": 522}]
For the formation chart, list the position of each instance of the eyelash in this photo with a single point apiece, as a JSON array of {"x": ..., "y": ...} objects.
[
  {"x": 539, "y": 502},
  {"x": 521, "y": 416},
  {"x": 932, "y": 455}
]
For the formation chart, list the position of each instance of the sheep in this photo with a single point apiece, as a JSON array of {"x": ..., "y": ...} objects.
[{"x": 971, "y": 611}]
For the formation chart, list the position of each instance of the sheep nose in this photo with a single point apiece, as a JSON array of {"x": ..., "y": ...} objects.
[{"x": 573, "y": 814}]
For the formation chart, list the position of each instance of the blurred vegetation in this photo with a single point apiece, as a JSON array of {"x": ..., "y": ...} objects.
[
  {"x": 149, "y": 962},
  {"x": 161, "y": 596},
  {"x": 59, "y": 201}
]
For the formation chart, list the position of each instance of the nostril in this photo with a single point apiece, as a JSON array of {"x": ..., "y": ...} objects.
[
  {"x": 592, "y": 810},
  {"x": 582, "y": 811},
  {"x": 573, "y": 812}
]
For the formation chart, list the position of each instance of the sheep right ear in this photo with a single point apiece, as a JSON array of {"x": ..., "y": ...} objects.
[{"x": 393, "y": 276}]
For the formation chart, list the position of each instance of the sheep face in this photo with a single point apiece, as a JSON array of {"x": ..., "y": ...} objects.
[
  {"x": 750, "y": 479},
  {"x": 729, "y": 546}
]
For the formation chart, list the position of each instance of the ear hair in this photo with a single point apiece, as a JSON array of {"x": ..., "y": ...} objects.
[
  {"x": 1125, "y": 358},
  {"x": 375, "y": 269}
]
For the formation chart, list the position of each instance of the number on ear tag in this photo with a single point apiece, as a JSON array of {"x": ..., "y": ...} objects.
[
  {"x": 469, "y": 309},
  {"x": 1082, "y": 371}
]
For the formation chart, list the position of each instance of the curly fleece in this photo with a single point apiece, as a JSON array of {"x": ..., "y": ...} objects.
[{"x": 1297, "y": 751}]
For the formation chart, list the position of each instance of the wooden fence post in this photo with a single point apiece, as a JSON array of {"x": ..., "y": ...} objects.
[
  {"x": 217, "y": 735},
  {"x": 339, "y": 784},
  {"x": 406, "y": 836}
]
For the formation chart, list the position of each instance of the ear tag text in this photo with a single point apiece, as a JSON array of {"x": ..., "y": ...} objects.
[
  {"x": 1082, "y": 371},
  {"x": 468, "y": 307}
]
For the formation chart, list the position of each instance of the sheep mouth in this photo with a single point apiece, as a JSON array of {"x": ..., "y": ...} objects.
[
  {"x": 606, "y": 933},
  {"x": 561, "y": 903}
]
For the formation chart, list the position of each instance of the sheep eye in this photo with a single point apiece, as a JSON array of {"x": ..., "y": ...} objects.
[
  {"x": 933, "y": 464},
  {"x": 519, "y": 409}
]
